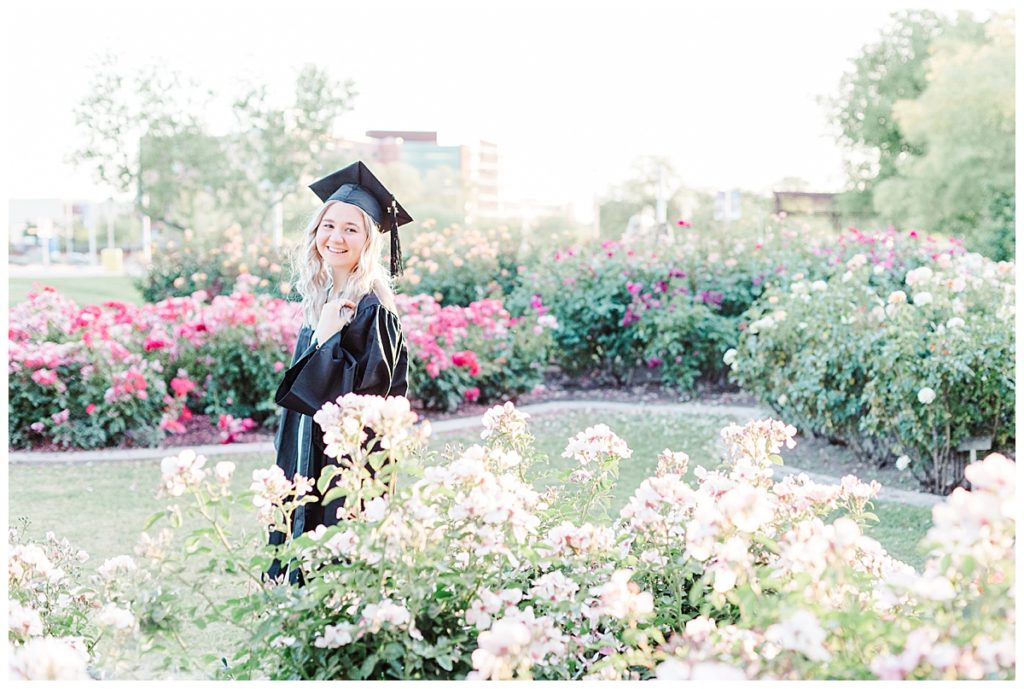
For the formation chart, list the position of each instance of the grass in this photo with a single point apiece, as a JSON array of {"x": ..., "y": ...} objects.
[
  {"x": 84, "y": 290},
  {"x": 102, "y": 507}
]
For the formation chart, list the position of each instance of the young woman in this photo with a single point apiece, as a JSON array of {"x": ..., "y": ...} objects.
[{"x": 351, "y": 338}]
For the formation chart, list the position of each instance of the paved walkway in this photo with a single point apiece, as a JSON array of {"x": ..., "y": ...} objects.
[{"x": 740, "y": 413}]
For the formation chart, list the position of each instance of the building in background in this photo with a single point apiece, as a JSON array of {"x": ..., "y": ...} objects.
[
  {"x": 808, "y": 203},
  {"x": 478, "y": 165}
]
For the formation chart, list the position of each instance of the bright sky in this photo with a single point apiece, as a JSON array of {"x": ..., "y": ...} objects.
[{"x": 571, "y": 92}]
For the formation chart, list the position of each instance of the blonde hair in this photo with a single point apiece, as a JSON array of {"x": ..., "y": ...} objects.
[{"x": 314, "y": 280}]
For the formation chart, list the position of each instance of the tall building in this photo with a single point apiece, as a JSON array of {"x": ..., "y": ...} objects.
[{"x": 477, "y": 164}]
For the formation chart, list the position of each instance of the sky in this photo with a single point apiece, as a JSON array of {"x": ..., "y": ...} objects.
[{"x": 571, "y": 92}]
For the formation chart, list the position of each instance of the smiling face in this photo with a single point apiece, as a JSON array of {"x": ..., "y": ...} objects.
[{"x": 340, "y": 237}]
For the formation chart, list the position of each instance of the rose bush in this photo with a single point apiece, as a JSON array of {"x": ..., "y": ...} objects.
[
  {"x": 179, "y": 269},
  {"x": 476, "y": 352},
  {"x": 908, "y": 372},
  {"x": 63, "y": 625},
  {"x": 470, "y": 573},
  {"x": 625, "y": 309},
  {"x": 92, "y": 376},
  {"x": 457, "y": 265}
]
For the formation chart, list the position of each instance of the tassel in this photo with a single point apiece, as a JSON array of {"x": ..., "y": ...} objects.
[{"x": 396, "y": 247}]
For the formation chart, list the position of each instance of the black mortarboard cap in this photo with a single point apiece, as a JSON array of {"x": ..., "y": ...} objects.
[{"x": 355, "y": 184}]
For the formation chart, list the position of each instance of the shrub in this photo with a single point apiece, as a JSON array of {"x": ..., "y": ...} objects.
[
  {"x": 93, "y": 376},
  {"x": 180, "y": 270},
  {"x": 850, "y": 359},
  {"x": 477, "y": 352},
  {"x": 469, "y": 573},
  {"x": 457, "y": 265}
]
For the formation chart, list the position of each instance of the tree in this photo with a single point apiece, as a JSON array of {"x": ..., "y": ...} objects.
[
  {"x": 144, "y": 138},
  {"x": 963, "y": 121},
  {"x": 278, "y": 147},
  {"x": 889, "y": 70}
]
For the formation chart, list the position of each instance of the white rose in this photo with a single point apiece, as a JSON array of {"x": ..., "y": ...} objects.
[
  {"x": 925, "y": 395},
  {"x": 898, "y": 297},
  {"x": 375, "y": 509},
  {"x": 223, "y": 471},
  {"x": 903, "y": 462}
]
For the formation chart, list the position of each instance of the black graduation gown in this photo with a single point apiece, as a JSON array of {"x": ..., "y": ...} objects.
[{"x": 368, "y": 356}]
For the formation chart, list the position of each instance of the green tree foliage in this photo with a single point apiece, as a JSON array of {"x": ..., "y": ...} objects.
[
  {"x": 889, "y": 70},
  {"x": 963, "y": 121},
  {"x": 277, "y": 147},
  {"x": 146, "y": 134},
  {"x": 143, "y": 136}
]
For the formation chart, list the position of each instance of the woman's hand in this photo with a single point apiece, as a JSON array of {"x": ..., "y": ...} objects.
[{"x": 334, "y": 316}]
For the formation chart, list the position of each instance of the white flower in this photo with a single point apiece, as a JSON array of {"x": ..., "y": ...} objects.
[
  {"x": 898, "y": 297},
  {"x": 919, "y": 276},
  {"x": 922, "y": 298},
  {"x": 23, "y": 621},
  {"x": 375, "y": 509},
  {"x": 955, "y": 322},
  {"x": 504, "y": 420},
  {"x": 554, "y": 587},
  {"x": 342, "y": 544},
  {"x": 800, "y": 632},
  {"x": 596, "y": 443},
  {"x": 783, "y": 398},
  {"x": 335, "y": 636},
  {"x": 902, "y": 462},
  {"x": 819, "y": 286},
  {"x": 50, "y": 657},
  {"x": 117, "y": 617},
  {"x": 671, "y": 669},
  {"x": 115, "y": 566},
  {"x": 223, "y": 471},
  {"x": 181, "y": 472},
  {"x": 622, "y": 599},
  {"x": 376, "y": 614},
  {"x": 925, "y": 395},
  {"x": 747, "y": 507},
  {"x": 670, "y": 462},
  {"x": 730, "y": 356}
]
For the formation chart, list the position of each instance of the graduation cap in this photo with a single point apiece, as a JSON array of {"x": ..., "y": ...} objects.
[{"x": 355, "y": 184}]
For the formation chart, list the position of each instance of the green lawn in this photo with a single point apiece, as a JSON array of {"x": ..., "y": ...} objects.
[
  {"x": 102, "y": 507},
  {"x": 84, "y": 290}
]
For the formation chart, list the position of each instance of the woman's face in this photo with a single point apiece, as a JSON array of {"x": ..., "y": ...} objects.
[{"x": 341, "y": 236}]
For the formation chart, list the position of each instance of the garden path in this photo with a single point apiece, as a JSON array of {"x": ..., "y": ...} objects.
[{"x": 741, "y": 413}]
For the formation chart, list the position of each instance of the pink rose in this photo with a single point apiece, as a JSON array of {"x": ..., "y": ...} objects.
[{"x": 45, "y": 376}]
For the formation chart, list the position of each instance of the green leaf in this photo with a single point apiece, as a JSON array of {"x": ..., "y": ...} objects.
[
  {"x": 367, "y": 667},
  {"x": 153, "y": 519}
]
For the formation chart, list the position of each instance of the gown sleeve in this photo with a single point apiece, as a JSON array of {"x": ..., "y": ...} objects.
[{"x": 363, "y": 357}]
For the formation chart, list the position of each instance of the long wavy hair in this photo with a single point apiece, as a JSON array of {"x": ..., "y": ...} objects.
[{"x": 314, "y": 280}]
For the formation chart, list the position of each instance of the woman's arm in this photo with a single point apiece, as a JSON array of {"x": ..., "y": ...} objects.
[{"x": 362, "y": 360}]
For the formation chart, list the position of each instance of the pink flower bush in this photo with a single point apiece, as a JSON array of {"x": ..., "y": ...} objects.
[{"x": 110, "y": 364}]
